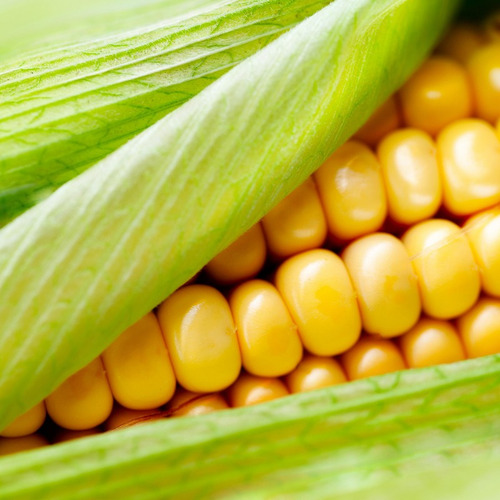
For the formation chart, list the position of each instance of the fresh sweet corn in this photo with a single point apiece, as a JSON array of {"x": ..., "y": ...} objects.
[
  {"x": 443, "y": 261},
  {"x": 469, "y": 155},
  {"x": 251, "y": 390},
  {"x": 483, "y": 233},
  {"x": 383, "y": 121},
  {"x": 411, "y": 175},
  {"x": 268, "y": 338},
  {"x": 370, "y": 357},
  {"x": 26, "y": 424},
  {"x": 241, "y": 260},
  {"x": 431, "y": 342},
  {"x": 385, "y": 284},
  {"x": 480, "y": 328},
  {"x": 297, "y": 223},
  {"x": 319, "y": 295},
  {"x": 352, "y": 191},
  {"x": 124, "y": 417},
  {"x": 320, "y": 301},
  {"x": 201, "y": 338},
  {"x": 138, "y": 366},
  {"x": 187, "y": 403},
  {"x": 315, "y": 372},
  {"x": 437, "y": 94},
  {"x": 483, "y": 67},
  {"x": 82, "y": 401}
]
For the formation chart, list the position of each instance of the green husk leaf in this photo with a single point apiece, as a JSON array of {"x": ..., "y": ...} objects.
[
  {"x": 108, "y": 246},
  {"x": 366, "y": 439},
  {"x": 63, "y": 110},
  {"x": 30, "y": 26}
]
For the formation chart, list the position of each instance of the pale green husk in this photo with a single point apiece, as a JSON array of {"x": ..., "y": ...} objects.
[
  {"x": 387, "y": 438},
  {"x": 63, "y": 110},
  {"x": 107, "y": 247}
]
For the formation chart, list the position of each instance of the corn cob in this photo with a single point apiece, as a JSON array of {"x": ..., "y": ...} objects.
[
  {"x": 445, "y": 333},
  {"x": 275, "y": 322}
]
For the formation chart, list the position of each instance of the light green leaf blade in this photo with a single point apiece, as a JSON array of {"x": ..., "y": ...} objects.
[
  {"x": 107, "y": 247},
  {"x": 63, "y": 110},
  {"x": 345, "y": 442}
]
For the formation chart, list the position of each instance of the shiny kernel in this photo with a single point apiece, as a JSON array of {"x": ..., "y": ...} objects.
[
  {"x": 241, "y": 260},
  {"x": 484, "y": 70},
  {"x": 468, "y": 156},
  {"x": 27, "y": 423},
  {"x": 370, "y": 357},
  {"x": 297, "y": 223},
  {"x": 187, "y": 403},
  {"x": 437, "y": 94},
  {"x": 480, "y": 328},
  {"x": 461, "y": 42},
  {"x": 431, "y": 342},
  {"x": 442, "y": 258},
  {"x": 250, "y": 390},
  {"x": 201, "y": 338},
  {"x": 138, "y": 366},
  {"x": 411, "y": 175},
  {"x": 352, "y": 191},
  {"x": 384, "y": 120},
  {"x": 9, "y": 446},
  {"x": 483, "y": 233},
  {"x": 385, "y": 284},
  {"x": 315, "y": 372},
  {"x": 268, "y": 338},
  {"x": 319, "y": 295},
  {"x": 82, "y": 401}
]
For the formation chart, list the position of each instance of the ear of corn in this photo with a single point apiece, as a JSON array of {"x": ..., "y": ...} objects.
[
  {"x": 63, "y": 110},
  {"x": 343, "y": 440},
  {"x": 110, "y": 245}
]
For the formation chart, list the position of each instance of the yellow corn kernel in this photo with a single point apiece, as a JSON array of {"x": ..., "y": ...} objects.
[
  {"x": 124, "y": 417},
  {"x": 250, "y": 390},
  {"x": 385, "y": 284},
  {"x": 315, "y": 372},
  {"x": 437, "y": 94},
  {"x": 319, "y": 295},
  {"x": 461, "y": 42},
  {"x": 484, "y": 67},
  {"x": 297, "y": 223},
  {"x": 384, "y": 120},
  {"x": 443, "y": 261},
  {"x": 431, "y": 342},
  {"x": 411, "y": 175},
  {"x": 370, "y": 357},
  {"x": 82, "y": 401},
  {"x": 186, "y": 403},
  {"x": 480, "y": 328},
  {"x": 138, "y": 366},
  {"x": 65, "y": 435},
  {"x": 352, "y": 191},
  {"x": 201, "y": 338},
  {"x": 241, "y": 260},
  {"x": 268, "y": 338},
  {"x": 468, "y": 156},
  {"x": 483, "y": 233},
  {"x": 9, "y": 446},
  {"x": 27, "y": 423}
]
